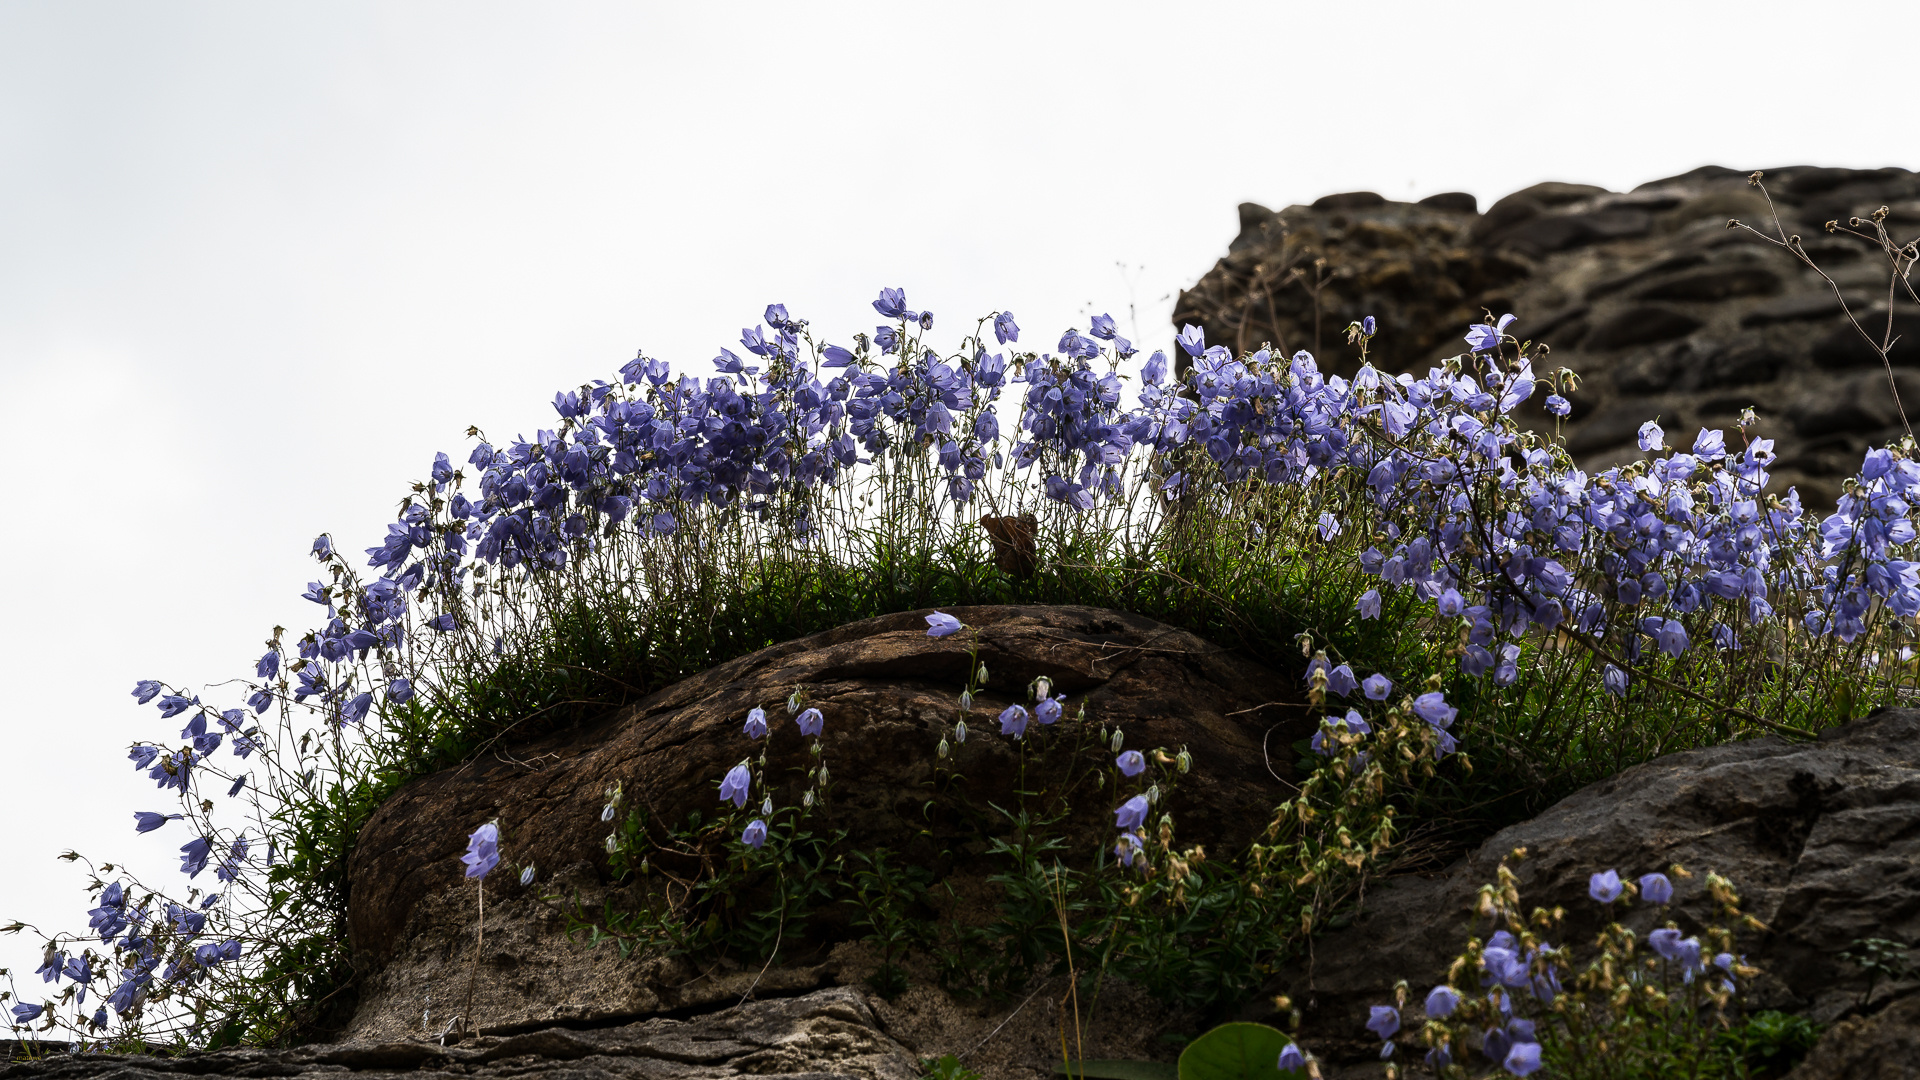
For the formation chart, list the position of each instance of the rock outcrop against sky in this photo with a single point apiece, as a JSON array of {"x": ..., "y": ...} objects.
[{"x": 1662, "y": 310}]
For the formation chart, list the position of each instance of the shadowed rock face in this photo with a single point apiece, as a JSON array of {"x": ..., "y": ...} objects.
[
  {"x": 888, "y": 693},
  {"x": 1821, "y": 839},
  {"x": 1661, "y": 309},
  {"x": 829, "y": 1033}
]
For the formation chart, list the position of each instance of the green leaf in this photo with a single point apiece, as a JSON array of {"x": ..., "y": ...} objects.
[
  {"x": 1114, "y": 1069},
  {"x": 1235, "y": 1052}
]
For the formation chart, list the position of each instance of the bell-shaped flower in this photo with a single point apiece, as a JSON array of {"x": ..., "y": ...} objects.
[
  {"x": 940, "y": 624},
  {"x": 1047, "y": 710},
  {"x": 1441, "y": 1001},
  {"x": 810, "y": 722},
  {"x": 1013, "y": 721},
  {"x": 1004, "y": 328},
  {"x": 1523, "y": 1059},
  {"x": 1656, "y": 889},
  {"x": 1605, "y": 886},
  {"x": 193, "y": 856},
  {"x": 1377, "y": 687},
  {"x": 1433, "y": 708},
  {"x": 1369, "y": 604},
  {"x": 146, "y": 822},
  {"x": 1131, "y": 814},
  {"x": 1193, "y": 339},
  {"x": 733, "y": 788},
  {"x": 1383, "y": 1020},
  {"x": 1340, "y": 680},
  {"x": 1131, "y": 763},
  {"x": 1484, "y": 338},
  {"x": 756, "y": 724},
  {"x": 483, "y": 851},
  {"x": 755, "y": 834},
  {"x": 1291, "y": 1059}
]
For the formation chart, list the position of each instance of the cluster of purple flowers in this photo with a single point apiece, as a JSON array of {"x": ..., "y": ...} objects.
[
  {"x": 1431, "y": 478},
  {"x": 1508, "y": 970}
]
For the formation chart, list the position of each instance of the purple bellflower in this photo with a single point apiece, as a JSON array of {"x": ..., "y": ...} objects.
[
  {"x": 483, "y": 851},
  {"x": 1383, "y": 1020},
  {"x": 940, "y": 624},
  {"x": 1656, "y": 889},
  {"x": 1131, "y": 763},
  {"x": 146, "y": 822},
  {"x": 1605, "y": 886},
  {"x": 1484, "y": 338},
  {"x": 193, "y": 856},
  {"x": 733, "y": 788},
  {"x": 1131, "y": 814}
]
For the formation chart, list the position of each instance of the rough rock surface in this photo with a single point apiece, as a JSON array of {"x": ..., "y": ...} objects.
[
  {"x": 888, "y": 694},
  {"x": 828, "y": 1033},
  {"x": 1884, "y": 1046},
  {"x": 1822, "y": 840},
  {"x": 1647, "y": 294}
]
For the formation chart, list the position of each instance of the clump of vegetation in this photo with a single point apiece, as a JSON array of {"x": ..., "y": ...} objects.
[{"x": 1373, "y": 533}]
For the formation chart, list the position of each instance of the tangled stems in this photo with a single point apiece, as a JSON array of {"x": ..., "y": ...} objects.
[{"x": 1519, "y": 1003}]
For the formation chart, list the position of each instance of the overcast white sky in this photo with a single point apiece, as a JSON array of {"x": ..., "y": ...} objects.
[{"x": 258, "y": 261}]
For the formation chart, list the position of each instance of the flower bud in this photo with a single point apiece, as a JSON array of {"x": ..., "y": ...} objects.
[
  {"x": 613, "y": 841},
  {"x": 606, "y": 813},
  {"x": 944, "y": 749},
  {"x": 960, "y": 732},
  {"x": 1153, "y": 793},
  {"x": 526, "y": 876},
  {"x": 766, "y": 805},
  {"x": 981, "y": 678},
  {"x": 1042, "y": 688},
  {"x": 1183, "y": 759},
  {"x": 966, "y": 701},
  {"x": 807, "y": 798},
  {"x": 1119, "y": 737},
  {"x": 823, "y": 775}
]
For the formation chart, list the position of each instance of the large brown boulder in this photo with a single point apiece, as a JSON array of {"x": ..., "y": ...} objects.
[
  {"x": 888, "y": 693},
  {"x": 1661, "y": 309}
]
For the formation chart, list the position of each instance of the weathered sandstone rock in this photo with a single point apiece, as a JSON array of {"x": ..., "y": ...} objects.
[{"x": 888, "y": 694}]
